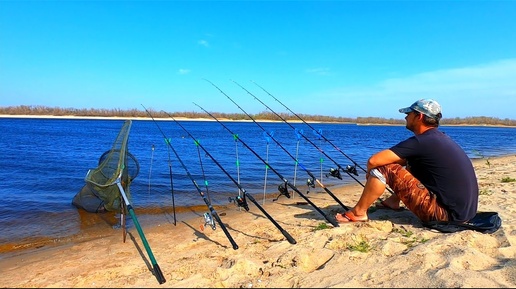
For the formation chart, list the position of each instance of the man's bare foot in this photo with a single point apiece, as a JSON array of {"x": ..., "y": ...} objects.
[{"x": 388, "y": 205}]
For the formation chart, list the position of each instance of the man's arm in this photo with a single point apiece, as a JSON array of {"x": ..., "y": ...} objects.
[{"x": 384, "y": 157}]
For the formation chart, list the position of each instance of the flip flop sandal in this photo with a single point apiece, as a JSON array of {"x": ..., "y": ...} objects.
[{"x": 351, "y": 218}]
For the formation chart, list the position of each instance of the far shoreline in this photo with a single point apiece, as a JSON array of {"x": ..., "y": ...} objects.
[
  {"x": 74, "y": 117},
  {"x": 136, "y": 118}
]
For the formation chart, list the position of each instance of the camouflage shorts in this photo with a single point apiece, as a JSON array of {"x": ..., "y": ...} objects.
[{"x": 416, "y": 197}]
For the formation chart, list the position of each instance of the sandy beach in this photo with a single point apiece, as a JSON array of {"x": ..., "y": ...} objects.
[{"x": 391, "y": 250}]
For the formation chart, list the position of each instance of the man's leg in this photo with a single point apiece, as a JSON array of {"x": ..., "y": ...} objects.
[
  {"x": 393, "y": 202},
  {"x": 373, "y": 189},
  {"x": 407, "y": 189},
  {"x": 412, "y": 193}
]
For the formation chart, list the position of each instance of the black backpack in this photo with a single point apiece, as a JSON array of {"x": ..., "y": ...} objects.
[{"x": 485, "y": 222}]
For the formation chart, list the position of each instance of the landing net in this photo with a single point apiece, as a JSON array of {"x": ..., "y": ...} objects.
[{"x": 101, "y": 193}]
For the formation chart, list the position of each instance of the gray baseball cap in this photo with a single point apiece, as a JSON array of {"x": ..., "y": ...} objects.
[{"x": 428, "y": 107}]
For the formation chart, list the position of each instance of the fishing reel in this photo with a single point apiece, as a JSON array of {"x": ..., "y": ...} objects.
[
  {"x": 282, "y": 188},
  {"x": 310, "y": 183},
  {"x": 239, "y": 201},
  {"x": 208, "y": 220},
  {"x": 335, "y": 173},
  {"x": 352, "y": 170},
  {"x": 349, "y": 169}
]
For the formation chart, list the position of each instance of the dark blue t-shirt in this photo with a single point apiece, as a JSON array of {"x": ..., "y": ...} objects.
[{"x": 443, "y": 167}]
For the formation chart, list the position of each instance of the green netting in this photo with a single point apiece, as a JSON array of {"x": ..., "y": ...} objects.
[{"x": 113, "y": 167}]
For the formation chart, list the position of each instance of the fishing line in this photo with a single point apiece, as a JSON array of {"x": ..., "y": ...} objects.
[
  {"x": 197, "y": 143},
  {"x": 213, "y": 213},
  {"x": 150, "y": 168},
  {"x": 327, "y": 140},
  {"x": 285, "y": 181},
  {"x": 298, "y": 133},
  {"x": 267, "y": 139},
  {"x": 318, "y": 134},
  {"x": 333, "y": 172},
  {"x": 241, "y": 201},
  {"x": 235, "y": 137},
  {"x": 310, "y": 182}
]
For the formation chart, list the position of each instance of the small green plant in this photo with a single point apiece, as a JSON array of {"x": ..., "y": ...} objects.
[
  {"x": 508, "y": 180},
  {"x": 321, "y": 226},
  {"x": 481, "y": 155},
  {"x": 404, "y": 233},
  {"x": 485, "y": 192},
  {"x": 411, "y": 240},
  {"x": 361, "y": 246}
]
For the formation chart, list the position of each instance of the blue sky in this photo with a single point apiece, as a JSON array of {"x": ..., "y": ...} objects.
[{"x": 338, "y": 58}]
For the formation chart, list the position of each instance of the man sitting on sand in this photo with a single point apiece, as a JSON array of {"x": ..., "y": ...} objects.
[{"x": 428, "y": 172}]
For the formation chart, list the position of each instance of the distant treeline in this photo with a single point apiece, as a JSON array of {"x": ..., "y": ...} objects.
[{"x": 265, "y": 115}]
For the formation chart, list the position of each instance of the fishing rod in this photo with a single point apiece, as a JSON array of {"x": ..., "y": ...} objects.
[
  {"x": 213, "y": 213},
  {"x": 313, "y": 179},
  {"x": 350, "y": 170},
  {"x": 285, "y": 181},
  {"x": 171, "y": 184},
  {"x": 333, "y": 172},
  {"x": 241, "y": 201}
]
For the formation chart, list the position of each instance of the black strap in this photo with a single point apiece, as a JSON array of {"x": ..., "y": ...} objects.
[{"x": 485, "y": 222}]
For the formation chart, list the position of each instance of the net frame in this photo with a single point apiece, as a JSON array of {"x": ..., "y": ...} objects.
[{"x": 111, "y": 171}]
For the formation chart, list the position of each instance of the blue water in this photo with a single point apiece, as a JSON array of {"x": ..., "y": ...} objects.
[{"x": 44, "y": 161}]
